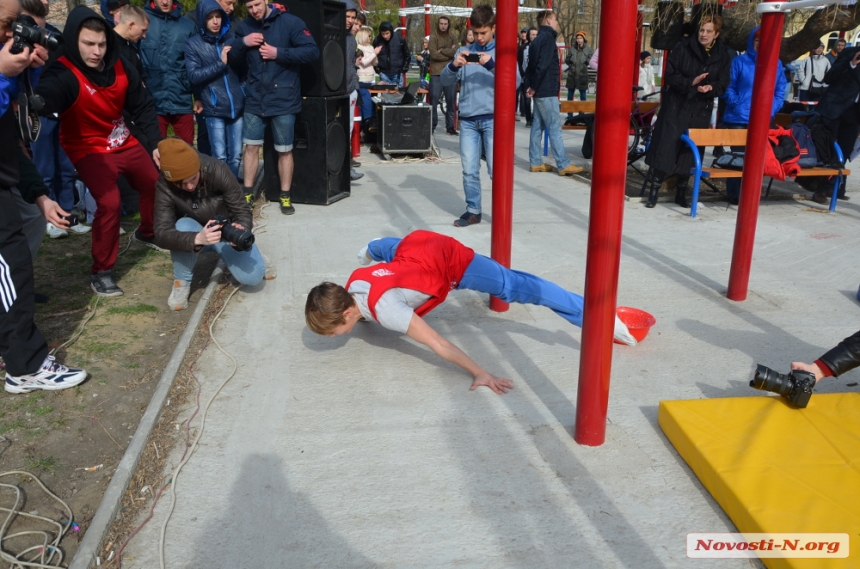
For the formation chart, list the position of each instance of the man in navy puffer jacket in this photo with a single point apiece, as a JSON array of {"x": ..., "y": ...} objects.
[
  {"x": 273, "y": 44},
  {"x": 162, "y": 53},
  {"x": 738, "y": 98},
  {"x": 220, "y": 91}
]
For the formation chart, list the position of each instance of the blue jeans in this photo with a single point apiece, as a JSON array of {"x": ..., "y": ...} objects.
[
  {"x": 365, "y": 100},
  {"x": 56, "y": 168},
  {"x": 396, "y": 78},
  {"x": 475, "y": 136},
  {"x": 225, "y": 136},
  {"x": 582, "y": 97},
  {"x": 485, "y": 275},
  {"x": 247, "y": 266},
  {"x": 547, "y": 116}
]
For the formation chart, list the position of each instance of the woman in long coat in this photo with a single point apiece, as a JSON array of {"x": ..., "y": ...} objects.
[{"x": 697, "y": 71}]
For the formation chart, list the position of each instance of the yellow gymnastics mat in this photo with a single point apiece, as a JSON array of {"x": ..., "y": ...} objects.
[{"x": 774, "y": 468}]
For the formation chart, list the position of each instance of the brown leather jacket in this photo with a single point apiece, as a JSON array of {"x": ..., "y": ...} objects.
[{"x": 217, "y": 193}]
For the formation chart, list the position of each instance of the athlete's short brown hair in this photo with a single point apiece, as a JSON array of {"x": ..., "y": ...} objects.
[{"x": 325, "y": 307}]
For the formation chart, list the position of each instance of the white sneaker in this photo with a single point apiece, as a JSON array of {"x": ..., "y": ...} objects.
[
  {"x": 622, "y": 334},
  {"x": 364, "y": 258},
  {"x": 178, "y": 299},
  {"x": 271, "y": 270},
  {"x": 51, "y": 376},
  {"x": 55, "y": 232},
  {"x": 80, "y": 229}
]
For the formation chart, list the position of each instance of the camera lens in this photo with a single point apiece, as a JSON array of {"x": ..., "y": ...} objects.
[
  {"x": 242, "y": 239},
  {"x": 767, "y": 379}
]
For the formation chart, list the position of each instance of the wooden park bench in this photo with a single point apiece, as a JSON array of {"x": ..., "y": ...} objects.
[
  {"x": 589, "y": 107},
  {"x": 696, "y": 137}
]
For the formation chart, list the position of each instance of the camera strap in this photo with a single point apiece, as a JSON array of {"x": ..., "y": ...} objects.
[{"x": 28, "y": 119}]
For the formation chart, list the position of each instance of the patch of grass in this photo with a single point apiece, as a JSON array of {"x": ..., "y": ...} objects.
[
  {"x": 134, "y": 365},
  {"x": 44, "y": 464},
  {"x": 105, "y": 349},
  {"x": 39, "y": 411},
  {"x": 59, "y": 422},
  {"x": 12, "y": 425},
  {"x": 133, "y": 309}
]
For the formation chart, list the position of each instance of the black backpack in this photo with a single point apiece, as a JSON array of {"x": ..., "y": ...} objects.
[
  {"x": 803, "y": 135},
  {"x": 824, "y": 139}
]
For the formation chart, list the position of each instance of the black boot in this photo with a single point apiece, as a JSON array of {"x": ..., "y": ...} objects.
[
  {"x": 681, "y": 193},
  {"x": 656, "y": 183}
]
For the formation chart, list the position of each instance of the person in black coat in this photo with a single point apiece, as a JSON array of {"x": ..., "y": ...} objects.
[
  {"x": 393, "y": 54},
  {"x": 840, "y": 359},
  {"x": 838, "y": 107},
  {"x": 697, "y": 71}
]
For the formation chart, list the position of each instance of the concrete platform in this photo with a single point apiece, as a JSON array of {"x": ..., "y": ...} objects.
[{"x": 370, "y": 451}]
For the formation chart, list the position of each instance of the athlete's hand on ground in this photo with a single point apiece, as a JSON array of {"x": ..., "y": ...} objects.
[
  {"x": 497, "y": 384},
  {"x": 811, "y": 368},
  {"x": 268, "y": 52}
]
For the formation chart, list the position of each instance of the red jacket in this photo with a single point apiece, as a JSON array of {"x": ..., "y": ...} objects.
[{"x": 425, "y": 261}]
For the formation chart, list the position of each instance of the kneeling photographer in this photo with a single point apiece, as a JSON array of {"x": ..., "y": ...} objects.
[
  {"x": 797, "y": 386},
  {"x": 199, "y": 206}
]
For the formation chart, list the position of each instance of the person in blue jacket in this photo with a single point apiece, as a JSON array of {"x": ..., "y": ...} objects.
[
  {"x": 162, "y": 53},
  {"x": 738, "y": 99},
  {"x": 273, "y": 44},
  {"x": 220, "y": 91}
]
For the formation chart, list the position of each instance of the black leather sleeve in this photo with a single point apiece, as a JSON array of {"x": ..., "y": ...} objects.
[{"x": 845, "y": 356}]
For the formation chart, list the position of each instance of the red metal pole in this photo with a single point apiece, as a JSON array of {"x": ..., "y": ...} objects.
[
  {"x": 503, "y": 135},
  {"x": 561, "y": 55},
  {"x": 356, "y": 132},
  {"x": 666, "y": 53},
  {"x": 362, "y": 6},
  {"x": 403, "y": 18},
  {"x": 469, "y": 6},
  {"x": 609, "y": 174},
  {"x": 769, "y": 43}
]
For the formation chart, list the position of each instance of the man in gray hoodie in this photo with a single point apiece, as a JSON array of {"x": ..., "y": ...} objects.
[{"x": 474, "y": 67}]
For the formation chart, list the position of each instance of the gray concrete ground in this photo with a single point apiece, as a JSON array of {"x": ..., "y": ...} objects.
[{"x": 370, "y": 451}]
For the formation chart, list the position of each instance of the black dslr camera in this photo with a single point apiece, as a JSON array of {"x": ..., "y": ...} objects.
[
  {"x": 797, "y": 386},
  {"x": 26, "y": 33},
  {"x": 241, "y": 240}
]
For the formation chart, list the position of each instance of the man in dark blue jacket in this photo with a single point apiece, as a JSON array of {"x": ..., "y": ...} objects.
[
  {"x": 542, "y": 82},
  {"x": 162, "y": 53},
  {"x": 274, "y": 45},
  {"x": 218, "y": 86}
]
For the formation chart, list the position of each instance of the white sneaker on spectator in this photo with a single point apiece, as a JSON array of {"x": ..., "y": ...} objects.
[
  {"x": 52, "y": 376},
  {"x": 55, "y": 232},
  {"x": 80, "y": 229},
  {"x": 271, "y": 270},
  {"x": 178, "y": 299}
]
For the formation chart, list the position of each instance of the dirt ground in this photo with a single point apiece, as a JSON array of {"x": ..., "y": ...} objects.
[{"x": 74, "y": 439}]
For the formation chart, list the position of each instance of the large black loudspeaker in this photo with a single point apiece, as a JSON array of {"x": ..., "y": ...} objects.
[
  {"x": 667, "y": 25},
  {"x": 321, "y": 153},
  {"x": 704, "y": 9},
  {"x": 326, "y": 20}
]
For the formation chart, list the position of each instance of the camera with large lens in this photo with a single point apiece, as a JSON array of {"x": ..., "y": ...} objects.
[
  {"x": 239, "y": 238},
  {"x": 795, "y": 386},
  {"x": 27, "y": 33}
]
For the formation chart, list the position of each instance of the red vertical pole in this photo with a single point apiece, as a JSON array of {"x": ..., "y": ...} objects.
[
  {"x": 363, "y": 8},
  {"x": 403, "y": 18},
  {"x": 666, "y": 53},
  {"x": 637, "y": 45},
  {"x": 356, "y": 132},
  {"x": 561, "y": 54},
  {"x": 503, "y": 135},
  {"x": 769, "y": 43},
  {"x": 609, "y": 173},
  {"x": 469, "y": 20}
]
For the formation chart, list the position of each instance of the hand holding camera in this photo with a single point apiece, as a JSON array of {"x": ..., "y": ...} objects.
[
  {"x": 221, "y": 229},
  {"x": 795, "y": 386}
]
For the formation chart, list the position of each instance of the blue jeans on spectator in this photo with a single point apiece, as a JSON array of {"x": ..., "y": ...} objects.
[
  {"x": 248, "y": 267},
  {"x": 56, "y": 168},
  {"x": 547, "y": 116},
  {"x": 225, "y": 137},
  {"x": 396, "y": 78},
  {"x": 733, "y": 185},
  {"x": 365, "y": 100},
  {"x": 582, "y": 97},
  {"x": 475, "y": 137},
  {"x": 486, "y": 275}
]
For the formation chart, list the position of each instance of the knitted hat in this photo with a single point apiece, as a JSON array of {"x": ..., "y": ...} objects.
[
  {"x": 116, "y": 4},
  {"x": 178, "y": 160},
  {"x": 643, "y": 55},
  {"x": 581, "y": 33}
]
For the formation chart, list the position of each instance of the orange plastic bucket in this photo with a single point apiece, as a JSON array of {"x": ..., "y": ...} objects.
[{"x": 637, "y": 321}]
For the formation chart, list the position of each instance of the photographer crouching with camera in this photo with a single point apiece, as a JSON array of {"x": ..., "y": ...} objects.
[
  {"x": 797, "y": 385},
  {"x": 29, "y": 365},
  {"x": 199, "y": 206}
]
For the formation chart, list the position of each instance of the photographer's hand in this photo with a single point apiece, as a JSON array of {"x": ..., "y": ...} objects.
[
  {"x": 209, "y": 235},
  {"x": 13, "y": 64},
  {"x": 811, "y": 368},
  {"x": 39, "y": 57},
  {"x": 52, "y": 211}
]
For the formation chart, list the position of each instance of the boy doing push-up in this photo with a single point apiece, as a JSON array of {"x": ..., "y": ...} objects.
[{"x": 414, "y": 276}]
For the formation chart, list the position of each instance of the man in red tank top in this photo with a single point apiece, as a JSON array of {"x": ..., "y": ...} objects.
[
  {"x": 415, "y": 276},
  {"x": 90, "y": 87}
]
